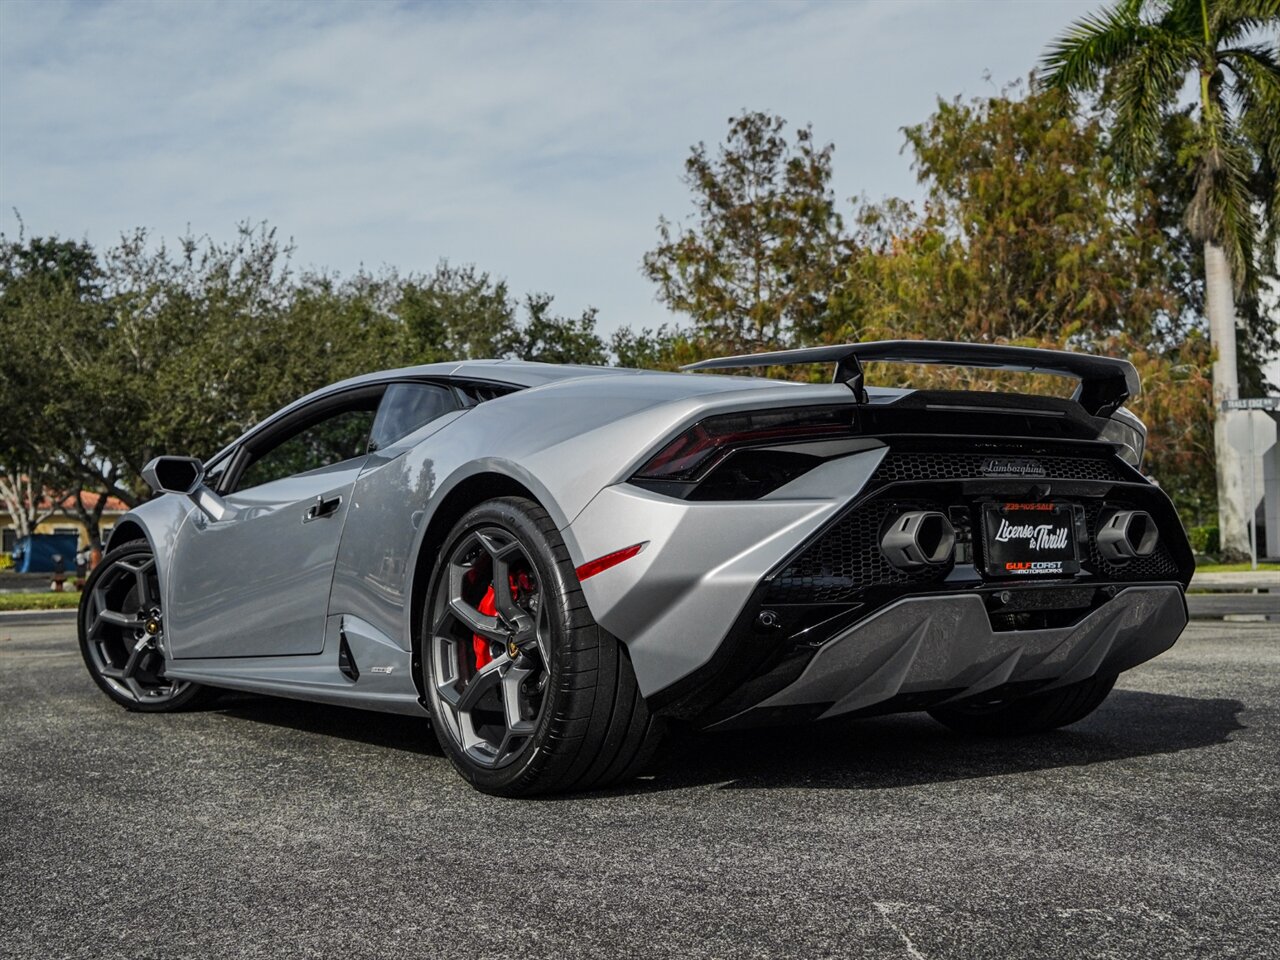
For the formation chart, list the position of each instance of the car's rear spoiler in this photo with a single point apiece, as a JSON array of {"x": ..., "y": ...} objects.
[{"x": 1105, "y": 382}]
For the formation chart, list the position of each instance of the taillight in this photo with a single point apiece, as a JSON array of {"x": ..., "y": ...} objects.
[{"x": 697, "y": 450}]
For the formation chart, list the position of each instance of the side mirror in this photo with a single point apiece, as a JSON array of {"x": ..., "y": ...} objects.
[
  {"x": 174, "y": 474},
  {"x": 184, "y": 476}
]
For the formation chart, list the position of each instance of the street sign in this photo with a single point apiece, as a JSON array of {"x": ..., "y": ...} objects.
[
  {"x": 1252, "y": 403},
  {"x": 1252, "y": 431}
]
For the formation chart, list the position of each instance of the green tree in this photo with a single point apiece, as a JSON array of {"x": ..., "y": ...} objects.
[
  {"x": 665, "y": 348},
  {"x": 457, "y": 313},
  {"x": 45, "y": 283},
  {"x": 1140, "y": 54},
  {"x": 1025, "y": 237},
  {"x": 549, "y": 338},
  {"x": 759, "y": 261}
]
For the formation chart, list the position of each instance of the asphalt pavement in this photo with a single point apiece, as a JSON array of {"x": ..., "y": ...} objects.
[{"x": 267, "y": 828}]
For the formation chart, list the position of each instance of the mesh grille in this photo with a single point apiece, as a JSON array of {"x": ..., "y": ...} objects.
[
  {"x": 847, "y": 559},
  {"x": 900, "y": 466}
]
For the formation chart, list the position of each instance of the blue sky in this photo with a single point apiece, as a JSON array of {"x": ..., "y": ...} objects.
[{"x": 540, "y": 141}]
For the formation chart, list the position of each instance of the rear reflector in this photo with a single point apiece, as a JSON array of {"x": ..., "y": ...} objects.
[{"x": 600, "y": 564}]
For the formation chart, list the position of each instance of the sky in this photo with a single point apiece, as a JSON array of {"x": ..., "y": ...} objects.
[{"x": 540, "y": 141}]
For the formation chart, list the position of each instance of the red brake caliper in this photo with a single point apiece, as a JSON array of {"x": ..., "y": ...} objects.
[
  {"x": 479, "y": 644},
  {"x": 489, "y": 607}
]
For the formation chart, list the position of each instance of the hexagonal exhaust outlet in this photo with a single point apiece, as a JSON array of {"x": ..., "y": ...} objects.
[
  {"x": 918, "y": 538},
  {"x": 1124, "y": 535}
]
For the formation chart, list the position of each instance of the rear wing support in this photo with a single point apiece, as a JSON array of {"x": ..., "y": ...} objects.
[{"x": 1105, "y": 382}]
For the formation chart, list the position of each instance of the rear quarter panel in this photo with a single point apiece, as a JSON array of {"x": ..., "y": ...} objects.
[{"x": 565, "y": 442}]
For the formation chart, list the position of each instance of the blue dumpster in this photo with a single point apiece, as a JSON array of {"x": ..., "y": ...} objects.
[{"x": 34, "y": 554}]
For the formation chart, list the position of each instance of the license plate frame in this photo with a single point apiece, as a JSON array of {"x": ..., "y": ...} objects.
[{"x": 1031, "y": 540}]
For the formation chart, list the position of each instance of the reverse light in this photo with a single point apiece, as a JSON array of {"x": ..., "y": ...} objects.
[
  {"x": 601, "y": 564},
  {"x": 1128, "y": 433},
  {"x": 697, "y": 450}
]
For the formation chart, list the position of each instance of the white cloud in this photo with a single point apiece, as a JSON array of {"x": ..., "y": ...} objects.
[{"x": 541, "y": 141}]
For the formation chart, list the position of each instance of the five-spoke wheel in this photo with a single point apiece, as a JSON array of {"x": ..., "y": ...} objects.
[{"x": 121, "y": 627}]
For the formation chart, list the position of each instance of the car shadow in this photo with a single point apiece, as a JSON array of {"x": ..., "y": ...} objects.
[
  {"x": 391, "y": 730},
  {"x": 902, "y": 750},
  {"x": 906, "y": 750}
]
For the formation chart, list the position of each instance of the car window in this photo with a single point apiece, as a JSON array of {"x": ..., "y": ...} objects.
[
  {"x": 341, "y": 436},
  {"x": 406, "y": 407}
]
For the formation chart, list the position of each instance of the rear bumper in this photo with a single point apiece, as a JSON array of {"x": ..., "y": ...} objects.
[{"x": 926, "y": 650}]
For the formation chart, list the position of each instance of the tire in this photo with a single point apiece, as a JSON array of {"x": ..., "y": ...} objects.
[
  {"x": 527, "y": 693},
  {"x": 1036, "y": 713},
  {"x": 119, "y": 610}
]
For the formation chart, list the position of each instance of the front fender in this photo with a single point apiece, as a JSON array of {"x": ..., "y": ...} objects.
[{"x": 158, "y": 520}]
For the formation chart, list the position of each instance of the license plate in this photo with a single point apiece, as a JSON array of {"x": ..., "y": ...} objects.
[{"x": 1030, "y": 540}]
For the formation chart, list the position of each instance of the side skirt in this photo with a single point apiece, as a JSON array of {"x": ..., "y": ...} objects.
[{"x": 385, "y": 672}]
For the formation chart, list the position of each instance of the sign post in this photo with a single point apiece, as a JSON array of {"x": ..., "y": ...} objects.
[{"x": 1249, "y": 430}]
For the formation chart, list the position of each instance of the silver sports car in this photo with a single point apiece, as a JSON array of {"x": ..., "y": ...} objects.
[{"x": 558, "y": 563}]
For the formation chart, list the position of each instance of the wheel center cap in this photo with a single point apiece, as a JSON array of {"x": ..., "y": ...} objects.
[
  {"x": 513, "y": 650},
  {"x": 152, "y": 626}
]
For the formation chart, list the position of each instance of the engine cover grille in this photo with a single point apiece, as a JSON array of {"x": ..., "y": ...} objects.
[{"x": 898, "y": 466}]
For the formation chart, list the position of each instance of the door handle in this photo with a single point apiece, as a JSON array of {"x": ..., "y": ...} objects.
[{"x": 323, "y": 507}]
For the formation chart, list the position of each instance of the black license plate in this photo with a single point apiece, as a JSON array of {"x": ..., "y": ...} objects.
[{"x": 1030, "y": 540}]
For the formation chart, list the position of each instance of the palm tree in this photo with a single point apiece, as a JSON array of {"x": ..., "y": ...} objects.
[{"x": 1140, "y": 54}]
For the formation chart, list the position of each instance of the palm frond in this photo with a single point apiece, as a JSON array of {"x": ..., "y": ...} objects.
[
  {"x": 1091, "y": 46},
  {"x": 1256, "y": 91},
  {"x": 1232, "y": 20},
  {"x": 1224, "y": 210},
  {"x": 1145, "y": 86}
]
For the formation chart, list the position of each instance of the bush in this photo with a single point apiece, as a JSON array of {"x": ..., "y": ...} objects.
[{"x": 1204, "y": 539}]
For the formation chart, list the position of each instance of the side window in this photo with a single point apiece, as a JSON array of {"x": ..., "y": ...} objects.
[
  {"x": 406, "y": 407},
  {"x": 339, "y": 436}
]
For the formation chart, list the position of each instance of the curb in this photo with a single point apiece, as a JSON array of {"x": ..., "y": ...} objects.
[{"x": 36, "y": 616}]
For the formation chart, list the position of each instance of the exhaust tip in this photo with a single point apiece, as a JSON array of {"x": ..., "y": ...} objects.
[
  {"x": 919, "y": 538},
  {"x": 1124, "y": 535}
]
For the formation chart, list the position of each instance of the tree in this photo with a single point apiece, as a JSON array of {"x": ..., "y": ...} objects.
[
  {"x": 759, "y": 263},
  {"x": 110, "y": 360},
  {"x": 457, "y": 313},
  {"x": 1140, "y": 53},
  {"x": 1025, "y": 237},
  {"x": 43, "y": 284},
  {"x": 666, "y": 348},
  {"x": 548, "y": 338}
]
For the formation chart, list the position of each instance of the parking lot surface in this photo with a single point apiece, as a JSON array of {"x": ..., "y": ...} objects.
[{"x": 268, "y": 828}]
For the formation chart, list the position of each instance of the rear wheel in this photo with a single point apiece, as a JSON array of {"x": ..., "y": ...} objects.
[
  {"x": 528, "y": 694},
  {"x": 1033, "y": 714},
  {"x": 121, "y": 630}
]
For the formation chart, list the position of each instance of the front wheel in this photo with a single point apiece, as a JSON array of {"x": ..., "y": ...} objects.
[
  {"x": 527, "y": 693},
  {"x": 121, "y": 630},
  {"x": 1036, "y": 713}
]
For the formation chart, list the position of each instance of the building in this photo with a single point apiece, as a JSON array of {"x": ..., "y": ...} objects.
[{"x": 63, "y": 519}]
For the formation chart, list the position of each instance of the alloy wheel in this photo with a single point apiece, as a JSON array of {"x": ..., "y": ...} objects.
[
  {"x": 124, "y": 630},
  {"x": 490, "y": 646}
]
